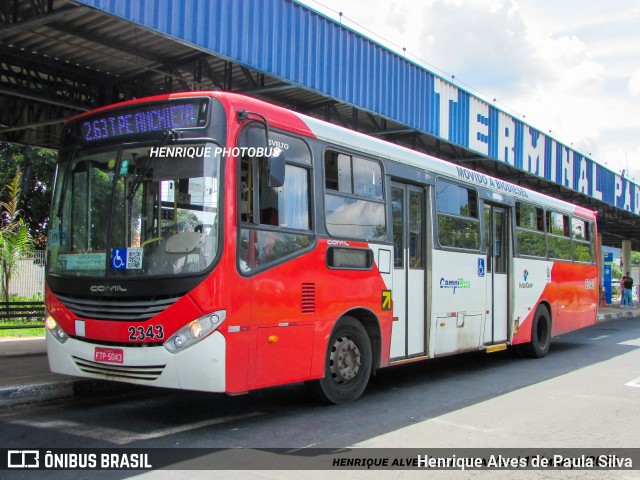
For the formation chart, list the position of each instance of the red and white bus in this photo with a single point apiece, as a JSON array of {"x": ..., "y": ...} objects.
[{"x": 211, "y": 241}]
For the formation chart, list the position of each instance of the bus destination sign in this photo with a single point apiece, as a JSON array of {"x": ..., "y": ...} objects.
[{"x": 145, "y": 118}]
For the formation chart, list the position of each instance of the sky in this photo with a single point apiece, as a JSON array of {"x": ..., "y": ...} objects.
[{"x": 568, "y": 67}]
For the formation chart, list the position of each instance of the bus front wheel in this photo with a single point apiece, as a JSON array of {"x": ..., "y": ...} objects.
[
  {"x": 347, "y": 364},
  {"x": 540, "y": 334}
]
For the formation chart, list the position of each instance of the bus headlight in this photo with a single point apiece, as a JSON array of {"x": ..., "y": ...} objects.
[
  {"x": 55, "y": 329},
  {"x": 198, "y": 327},
  {"x": 195, "y": 331}
]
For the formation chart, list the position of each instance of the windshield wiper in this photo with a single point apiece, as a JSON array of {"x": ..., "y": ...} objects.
[{"x": 168, "y": 135}]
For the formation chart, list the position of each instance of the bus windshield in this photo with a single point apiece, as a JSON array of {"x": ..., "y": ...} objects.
[{"x": 143, "y": 211}]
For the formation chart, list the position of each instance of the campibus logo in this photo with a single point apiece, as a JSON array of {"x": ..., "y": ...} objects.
[{"x": 455, "y": 283}]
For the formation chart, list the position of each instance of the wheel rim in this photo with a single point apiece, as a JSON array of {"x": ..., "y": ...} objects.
[{"x": 345, "y": 360}]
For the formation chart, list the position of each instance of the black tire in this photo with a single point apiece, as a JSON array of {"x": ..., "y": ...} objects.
[
  {"x": 347, "y": 364},
  {"x": 540, "y": 334}
]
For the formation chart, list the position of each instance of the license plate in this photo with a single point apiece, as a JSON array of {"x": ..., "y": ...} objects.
[{"x": 110, "y": 355}]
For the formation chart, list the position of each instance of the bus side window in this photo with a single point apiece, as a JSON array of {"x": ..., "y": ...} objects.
[
  {"x": 275, "y": 221},
  {"x": 457, "y": 213},
  {"x": 530, "y": 233}
]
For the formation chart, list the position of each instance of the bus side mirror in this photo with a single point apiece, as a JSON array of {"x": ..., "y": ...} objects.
[{"x": 275, "y": 167}]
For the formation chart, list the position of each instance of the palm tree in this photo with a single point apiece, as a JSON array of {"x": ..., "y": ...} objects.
[{"x": 15, "y": 240}]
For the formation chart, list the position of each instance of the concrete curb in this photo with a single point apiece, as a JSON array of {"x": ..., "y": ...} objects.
[
  {"x": 41, "y": 393},
  {"x": 605, "y": 317},
  {"x": 36, "y": 393},
  {"x": 13, "y": 347}
]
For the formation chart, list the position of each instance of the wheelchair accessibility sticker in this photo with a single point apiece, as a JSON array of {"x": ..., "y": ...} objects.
[{"x": 126, "y": 258}]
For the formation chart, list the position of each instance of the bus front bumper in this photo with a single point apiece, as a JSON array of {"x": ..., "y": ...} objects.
[{"x": 199, "y": 367}]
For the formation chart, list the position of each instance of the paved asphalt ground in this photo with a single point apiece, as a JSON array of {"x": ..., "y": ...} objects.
[{"x": 25, "y": 378}]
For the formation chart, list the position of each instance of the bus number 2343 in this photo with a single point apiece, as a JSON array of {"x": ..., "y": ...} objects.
[{"x": 152, "y": 332}]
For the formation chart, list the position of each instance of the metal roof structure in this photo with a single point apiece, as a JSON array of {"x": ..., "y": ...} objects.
[{"x": 62, "y": 57}]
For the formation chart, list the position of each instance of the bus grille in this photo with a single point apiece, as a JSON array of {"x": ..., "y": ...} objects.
[
  {"x": 308, "y": 298},
  {"x": 147, "y": 372},
  {"x": 116, "y": 309}
]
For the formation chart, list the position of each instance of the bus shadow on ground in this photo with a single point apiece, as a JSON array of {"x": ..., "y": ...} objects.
[{"x": 401, "y": 395}]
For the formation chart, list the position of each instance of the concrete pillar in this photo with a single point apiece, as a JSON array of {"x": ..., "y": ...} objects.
[{"x": 625, "y": 257}]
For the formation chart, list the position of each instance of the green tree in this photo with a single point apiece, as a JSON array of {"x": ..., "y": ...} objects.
[
  {"x": 37, "y": 165},
  {"x": 15, "y": 239},
  {"x": 616, "y": 271}
]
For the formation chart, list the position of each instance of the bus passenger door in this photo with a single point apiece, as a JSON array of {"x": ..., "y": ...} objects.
[
  {"x": 408, "y": 290},
  {"x": 497, "y": 234}
]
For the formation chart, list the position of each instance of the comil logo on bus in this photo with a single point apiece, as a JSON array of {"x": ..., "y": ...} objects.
[{"x": 107, "y": 288}]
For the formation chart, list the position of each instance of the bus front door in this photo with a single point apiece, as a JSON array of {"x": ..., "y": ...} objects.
[
  {"x": 408, "y": 293},
  {"x": 497, "y": 241}
]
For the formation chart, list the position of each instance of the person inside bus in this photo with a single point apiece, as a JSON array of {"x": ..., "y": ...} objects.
[{"x": 269, "y": 206}]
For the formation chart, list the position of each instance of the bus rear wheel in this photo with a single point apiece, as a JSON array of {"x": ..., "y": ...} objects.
[
  {"x": 347, "y": 364},
  {"x": 540, "y": 334}
]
